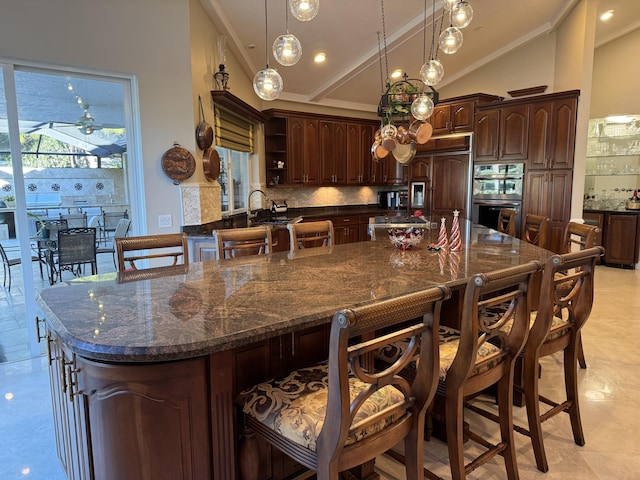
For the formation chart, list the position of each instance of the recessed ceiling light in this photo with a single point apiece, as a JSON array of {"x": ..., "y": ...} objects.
[
  {"x": 320, "y": 57},
  {"x": 397, "y": 73},
  {"x": 606, "y": 15}
]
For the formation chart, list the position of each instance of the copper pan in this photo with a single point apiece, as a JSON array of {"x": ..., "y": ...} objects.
[{"x": 420, "y": 132}]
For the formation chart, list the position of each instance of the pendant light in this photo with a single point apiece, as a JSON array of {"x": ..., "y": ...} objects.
[
  {"x": 287, "y": 49},
  {"x": 267, "y": 83},
  {"x": 432, "y": 71},
  {"x": 304, "y": 10},
  {"x": 451, "y": 40},
  {"x": 449, "y": 4},
  {"x": 461, "y": 14}
]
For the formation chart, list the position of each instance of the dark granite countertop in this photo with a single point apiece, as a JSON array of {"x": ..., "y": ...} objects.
[
  {"x": 183, "y": 312},
  {"x": 604, "y": 210}
]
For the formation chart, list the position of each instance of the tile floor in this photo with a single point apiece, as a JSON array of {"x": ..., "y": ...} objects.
[{"x": 610, "y": 408}]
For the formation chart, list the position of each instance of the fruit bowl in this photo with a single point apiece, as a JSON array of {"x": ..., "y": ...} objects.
[{"x": 406, "y": 238}]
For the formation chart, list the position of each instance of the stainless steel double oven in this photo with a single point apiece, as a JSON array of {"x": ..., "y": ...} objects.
[{"x": 497, "y": 186}]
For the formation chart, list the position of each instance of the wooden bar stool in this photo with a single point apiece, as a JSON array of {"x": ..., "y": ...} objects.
[
  {"x": 240, "y": 242},
  {"x": 345, "y": 412},
  {"x": 310, "y": 234},
  {"x": 173, "y": 245},
  {"x": 507, "y": 221}
]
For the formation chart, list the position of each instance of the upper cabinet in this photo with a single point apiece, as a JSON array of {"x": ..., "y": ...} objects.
[
  {"x": 539, "y": 130},
  {"x": 552, "y": 133},
  {"x": 501, "y": 133},
  {"x": 457, "y": 115},
  {"x": 304, "y": 149}
]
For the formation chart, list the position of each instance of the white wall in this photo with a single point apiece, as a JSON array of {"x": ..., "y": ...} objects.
[{"x": 147, "y": 38}]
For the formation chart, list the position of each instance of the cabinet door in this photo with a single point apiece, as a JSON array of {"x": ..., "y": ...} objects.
[
  {"x": 394, "y": 173},
  {"x": 486, "y": 135},
  {"x": 548, "y": 193},
  {"x": 620, "y": 240},
  {"x": 311, "y": 152},
  {"x": 327, "y": 152},
  {"x": 462, "y": 116},
  {"x": 359, "y": 160},
  {"x": 148, "y": 421},
  {"x": 296, "y": 150},
  {"x": 440, "y": 119},
  {"x": 539, "y": 135},
  {"x": 552, "y": 134},
  {"x": 563, "y": 136},
  {"x": 450, "y": 184},
  {"x": 514, "y": 132},
  {"x": 421, "y": 168},
  {"x": 340, "y": 153}
]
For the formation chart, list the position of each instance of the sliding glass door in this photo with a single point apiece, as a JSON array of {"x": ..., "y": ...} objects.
[{"x": 64, "y": 156}]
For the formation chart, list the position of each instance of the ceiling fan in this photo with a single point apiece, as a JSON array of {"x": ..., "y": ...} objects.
[{"x": 86, "y": 123}]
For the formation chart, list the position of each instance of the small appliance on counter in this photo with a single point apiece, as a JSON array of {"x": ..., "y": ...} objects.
[
  {"x": 393, "y": 200},
  {"x": 278, "y": 206}
]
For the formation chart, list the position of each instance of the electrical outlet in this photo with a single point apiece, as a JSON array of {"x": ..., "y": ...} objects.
[{"x": 164, "y": 221}]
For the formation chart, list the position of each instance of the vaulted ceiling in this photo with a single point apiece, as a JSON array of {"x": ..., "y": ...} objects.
[{"x": 347, "y": 31}]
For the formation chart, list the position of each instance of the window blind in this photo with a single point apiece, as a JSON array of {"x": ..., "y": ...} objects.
[{"x": 232, "y": 131}]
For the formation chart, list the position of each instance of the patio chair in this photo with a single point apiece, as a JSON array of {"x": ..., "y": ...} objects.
[
  {"x": 76, "y": 247},
  {"x": 7, "y": 263},
  {"x": 109, "y": 246}
]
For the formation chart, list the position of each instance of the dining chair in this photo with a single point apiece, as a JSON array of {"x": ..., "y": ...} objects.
[
  {"x": 579, "y": 236},
  {"x": 344, "y": 412},
  {"x": 481, "y": 354},
  {"x": 75, "y": 247},
  {"x": 240, "y": 242},
  {"x": 7, "y": 263},
  {"x": 310, "y": 234},
  {"x": 172, "y": 245},
  {"x": 535, "y": 230},
  {"x": 507, "y": 221},
  {"x": 566, "y": 298},
  {"x": 109, "y": 245}
]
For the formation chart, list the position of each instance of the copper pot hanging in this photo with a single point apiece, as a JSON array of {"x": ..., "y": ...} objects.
[{"x": 204, "y": 131}]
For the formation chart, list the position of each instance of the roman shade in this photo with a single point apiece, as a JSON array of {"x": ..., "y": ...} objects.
[{"x": 232, "y": 132}]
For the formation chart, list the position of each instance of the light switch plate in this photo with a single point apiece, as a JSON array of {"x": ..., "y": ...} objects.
[{"x": 164, "y": 221}]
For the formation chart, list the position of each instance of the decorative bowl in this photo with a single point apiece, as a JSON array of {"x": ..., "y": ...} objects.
[{"x": 406, "y": 238}]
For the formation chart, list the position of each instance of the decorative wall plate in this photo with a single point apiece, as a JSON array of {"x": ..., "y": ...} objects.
[{"x": 178, "y": 163}]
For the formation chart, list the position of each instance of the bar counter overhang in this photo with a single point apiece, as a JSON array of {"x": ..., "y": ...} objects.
[{"x": 205, "y": 312}]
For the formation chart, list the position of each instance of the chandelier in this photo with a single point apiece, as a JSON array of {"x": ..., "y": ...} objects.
[{"x": 406, "y": 105}]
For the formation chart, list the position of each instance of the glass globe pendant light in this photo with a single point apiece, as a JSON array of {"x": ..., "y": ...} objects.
[
  {"x": 432, "y": 72},
  {"x": 451, "y": 40},
  {"x": 449, "y": 4},
  {"x": 287, "y": 49},
  {"x": 422, "y": 107},
  {"x": 267, "y": 83},
  {"x": 304, "y": 10},
  {"x": 461, "y": 14}
]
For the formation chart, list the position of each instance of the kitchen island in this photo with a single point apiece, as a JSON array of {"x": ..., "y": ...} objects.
[{"x": 145, "y": 365}]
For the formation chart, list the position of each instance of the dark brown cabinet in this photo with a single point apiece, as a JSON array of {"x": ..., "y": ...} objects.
[
  {"x": 333, "y": 153},
  {"x": 359, "y": 160},
  {"x": 552, "y": 133},
  {"x": 306, "y": 149},
  {"x": 303, "y": 152},
  {"x": 450, "y": 187},
  {"x": 621, "y": 239},
  {"x": 345, "y": 229},
  {"x": 548, "y": 193},
  {"x": 502, "y": 133},
  {"x": 452, "y": 117},
  {"x": 456, "y": 115}
]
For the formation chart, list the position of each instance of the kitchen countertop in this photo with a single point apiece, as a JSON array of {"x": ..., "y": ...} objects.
[
  {"x": 605, "y": 210},
  {"x": 214, "y": 306}
]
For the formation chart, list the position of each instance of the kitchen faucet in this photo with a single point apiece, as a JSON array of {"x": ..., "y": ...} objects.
[{"x": 250, "y": 216}]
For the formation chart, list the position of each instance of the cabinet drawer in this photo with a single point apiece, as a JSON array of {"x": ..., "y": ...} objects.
[{"x": 345, "y": 221}]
